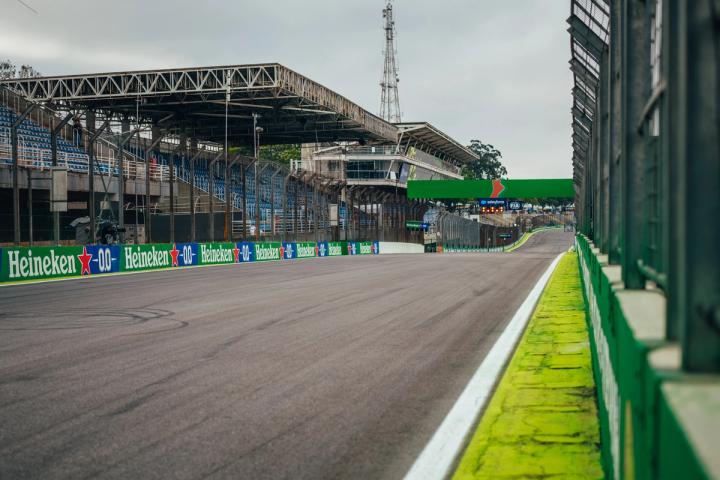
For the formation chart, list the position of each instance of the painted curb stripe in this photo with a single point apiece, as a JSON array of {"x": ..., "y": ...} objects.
[{"x": 437, "y": 459}]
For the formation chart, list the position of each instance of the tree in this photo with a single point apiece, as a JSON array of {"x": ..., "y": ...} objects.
[
  {"x": 488, "y": 165},
  {"x": 9, "y": 70},
  {"x": 280, "y": 153}
]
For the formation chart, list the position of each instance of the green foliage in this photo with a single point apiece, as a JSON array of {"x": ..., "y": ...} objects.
[
  {"x": 280, "y": 153},
  {"x": 275, "y": 153},
  {"x": 489, "y": 164}
]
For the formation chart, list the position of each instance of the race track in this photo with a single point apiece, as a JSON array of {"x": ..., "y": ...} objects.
[{"x": 324, "y": 368}]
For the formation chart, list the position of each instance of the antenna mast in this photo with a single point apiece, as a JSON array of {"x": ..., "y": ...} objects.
[{"x": 389, "y": 100}]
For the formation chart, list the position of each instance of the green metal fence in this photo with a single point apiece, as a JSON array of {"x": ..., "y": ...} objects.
[{"x": 646, "y": 141}]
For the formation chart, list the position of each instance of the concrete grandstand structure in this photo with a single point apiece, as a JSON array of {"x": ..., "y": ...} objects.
[{"x": 176, "y": 148}]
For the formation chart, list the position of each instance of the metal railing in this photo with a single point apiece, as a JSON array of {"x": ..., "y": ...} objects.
[{"x": 646, "y": 148}]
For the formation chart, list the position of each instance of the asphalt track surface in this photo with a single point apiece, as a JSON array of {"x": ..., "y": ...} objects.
[{"x": 325, "y": 368}]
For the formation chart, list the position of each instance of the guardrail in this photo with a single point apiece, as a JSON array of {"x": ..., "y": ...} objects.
[{"x": 19, "y": 264}]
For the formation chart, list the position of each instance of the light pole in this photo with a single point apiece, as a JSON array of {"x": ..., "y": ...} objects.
[{"x": 256, "y": 140}]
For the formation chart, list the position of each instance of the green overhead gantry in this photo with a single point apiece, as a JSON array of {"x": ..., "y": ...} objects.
[{"x": 500, "y": 188}]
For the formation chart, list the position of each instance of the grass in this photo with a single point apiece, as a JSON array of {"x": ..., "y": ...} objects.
[{"x": 542, "y": 421}]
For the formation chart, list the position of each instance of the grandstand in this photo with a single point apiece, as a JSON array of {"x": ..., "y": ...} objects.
[{"x": 170, "y": 129}]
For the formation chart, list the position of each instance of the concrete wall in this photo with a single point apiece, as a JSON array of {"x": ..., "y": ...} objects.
[{"x": 397, "y": 247}]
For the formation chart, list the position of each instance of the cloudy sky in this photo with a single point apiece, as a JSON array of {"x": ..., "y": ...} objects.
[{"x": 495, "y": 70}]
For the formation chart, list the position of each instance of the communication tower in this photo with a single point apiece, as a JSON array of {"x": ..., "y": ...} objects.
[{"x": 389, "y": 100}]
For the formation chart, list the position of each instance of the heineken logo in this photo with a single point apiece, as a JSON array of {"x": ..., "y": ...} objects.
[
  {"x": 49, "y": 263},
  {"x": 365, "y": 249},
  {"x": 334, "y": 250},
  {"x": 174, "y": 253},
  {"x": 267, "y": 252},
  {"x": 139, "y": 258},
  {"x": 211, "y": 254},
  {"x": 85, "y": 262},
  {"x": 305, "y": 250}
]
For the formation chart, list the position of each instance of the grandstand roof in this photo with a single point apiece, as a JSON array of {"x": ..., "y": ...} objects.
[
  {"x": 292, "y": 108},
  {"x": 432, "y": 140}
]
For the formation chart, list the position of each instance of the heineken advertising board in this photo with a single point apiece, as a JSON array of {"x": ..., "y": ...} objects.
[
  {"x": 331, "y": 249},
  {"x": 288, "y": 251},
  {"x": 30, "y": 263},
  {"x": 43, "y": 262},
  {"x": 159, "y": 255},
  {"x": 268, "y": 251},
  {"x": 363, "y": 248},
  {"x": 218, "y": 253},
  {"x": 306, "y": 250},
  {"x": 246, "y": 252}
]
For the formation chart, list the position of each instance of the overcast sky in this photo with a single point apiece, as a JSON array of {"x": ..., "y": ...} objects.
[{"x": 495, "y": 70}]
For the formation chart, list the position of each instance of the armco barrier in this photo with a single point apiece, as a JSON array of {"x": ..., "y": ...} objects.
[
  {"x": 644, "y": 400},
  {"x": 37, "y": 263}
]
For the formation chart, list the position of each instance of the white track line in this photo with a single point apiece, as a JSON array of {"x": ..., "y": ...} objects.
[{"x": 440, "y": 454}]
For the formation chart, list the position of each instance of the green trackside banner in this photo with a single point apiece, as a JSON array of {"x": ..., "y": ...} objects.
[
  {"x": 218, "y": 253},
  {"x": 336, "y": 249},
  {"x": 42, "y": 262},
  {"x": 158, "y": 255},
  {"x": 501, "y": 188},
  {"x": 306, "y": 250},
  {"x": 268, "y": 251}
]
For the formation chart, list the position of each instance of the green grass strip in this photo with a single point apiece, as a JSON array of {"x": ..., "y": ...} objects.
[{"x": 542, "y": 420}]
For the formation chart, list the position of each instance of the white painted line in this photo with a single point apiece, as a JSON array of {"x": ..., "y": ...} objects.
[{"x": 447, "y": 444}]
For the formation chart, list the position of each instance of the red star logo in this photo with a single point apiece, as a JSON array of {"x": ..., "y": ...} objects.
[
  {"x": 236, "y": 254},
  {"x": 372, "y": 248},
  {"x": 85, "y": 260},
  {"x": 174, "y": 254},
  {"x": 317, "y": 250},
  {"x": 282, "y": 252}
]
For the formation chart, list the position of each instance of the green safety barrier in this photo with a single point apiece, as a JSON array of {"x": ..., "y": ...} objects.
[{"x": 640, "y": 401}]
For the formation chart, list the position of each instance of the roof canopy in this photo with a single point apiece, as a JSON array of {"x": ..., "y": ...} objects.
[
  {"x": 431, "y": 140},
  {"x": 291, "y": 108}
]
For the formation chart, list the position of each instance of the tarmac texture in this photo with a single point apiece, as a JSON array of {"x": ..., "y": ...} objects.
[{"x": 324, "y": 368}]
